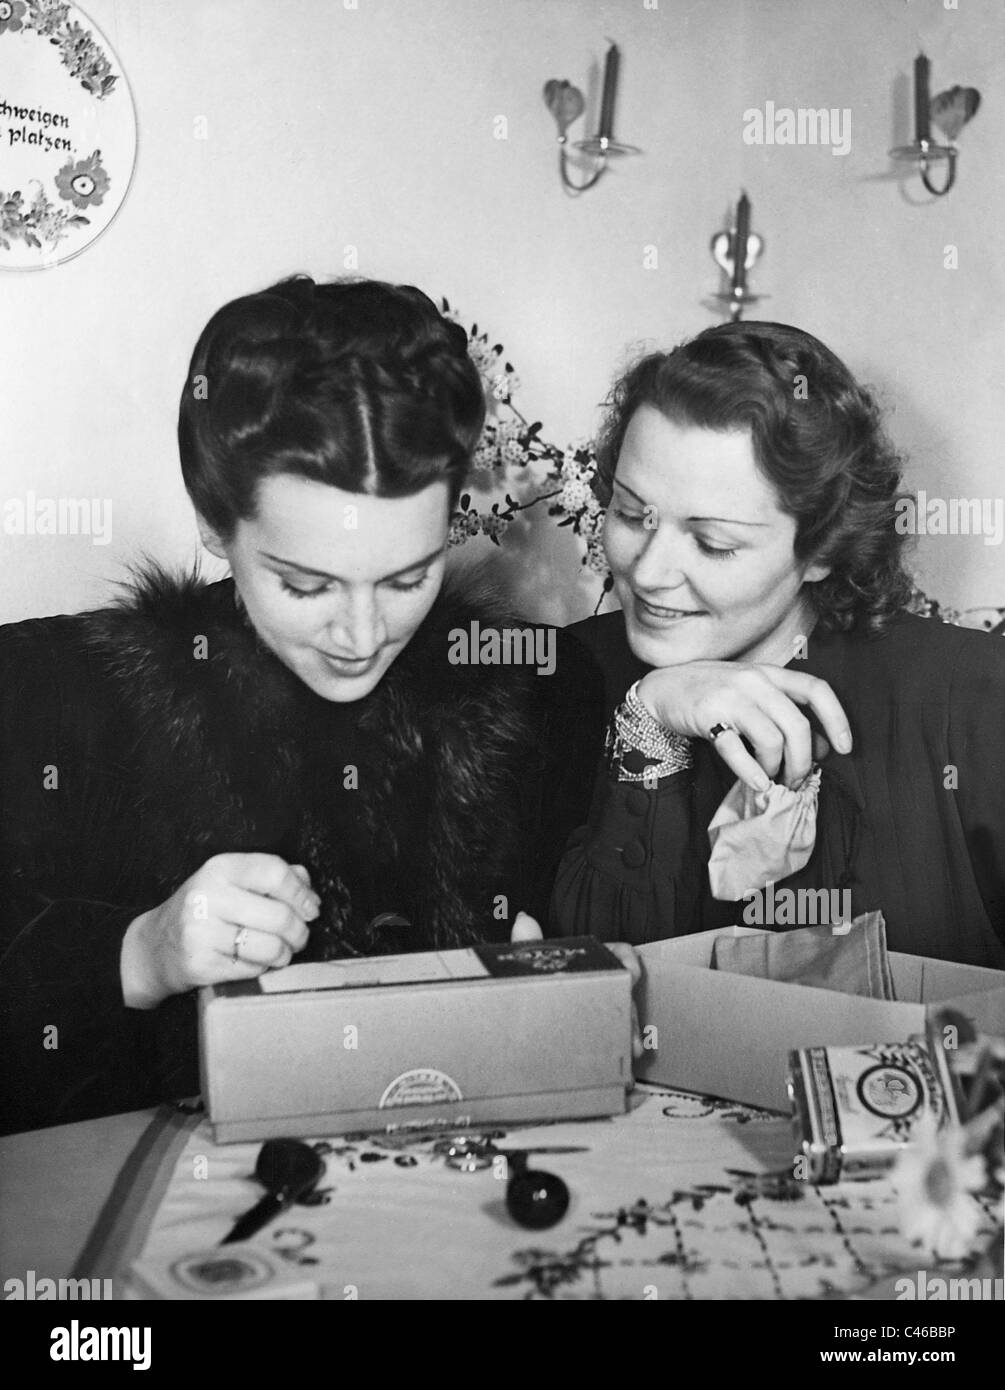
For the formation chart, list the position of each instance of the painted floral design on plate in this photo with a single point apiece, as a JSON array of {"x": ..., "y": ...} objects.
[{"x": 67, "y": 133}]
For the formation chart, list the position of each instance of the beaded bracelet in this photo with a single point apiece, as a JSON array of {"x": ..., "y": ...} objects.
[{"x": 634, "y": 730}]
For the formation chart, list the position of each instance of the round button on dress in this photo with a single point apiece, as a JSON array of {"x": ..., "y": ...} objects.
[{"x": 634, "y": 854}]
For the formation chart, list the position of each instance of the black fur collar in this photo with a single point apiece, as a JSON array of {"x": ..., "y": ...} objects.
[{"x": 228, "y": 750}]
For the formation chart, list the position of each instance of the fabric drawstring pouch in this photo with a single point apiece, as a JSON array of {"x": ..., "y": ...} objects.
[{"x": 759, "y": 838}]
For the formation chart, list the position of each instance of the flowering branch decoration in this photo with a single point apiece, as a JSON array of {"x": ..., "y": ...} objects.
[
  {"x": 78, "y": 51},
  {"x": 36, "y": 222},
  {"x": 83, "y": 183},
  {"x": 511, "y": 446},
  {"x": 983, "y": 619}
]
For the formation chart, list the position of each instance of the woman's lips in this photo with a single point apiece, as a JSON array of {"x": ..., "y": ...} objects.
[
  {"x": 350, "y": 666},
  {"x": 661, "y": 615}
]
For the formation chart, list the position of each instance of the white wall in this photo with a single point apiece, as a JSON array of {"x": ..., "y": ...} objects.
[{"x": 373, "y": 127}]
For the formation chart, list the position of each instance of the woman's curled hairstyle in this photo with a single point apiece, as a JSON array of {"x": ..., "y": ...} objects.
[
  {"x": 817, "y": 437},
  {"x": 359, "y": 384}
]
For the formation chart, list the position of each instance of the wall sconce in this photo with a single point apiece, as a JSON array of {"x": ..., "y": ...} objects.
[
  {"x": 737, "y": 251},
  {"x": 950, "y": 111},
  {"x": 566, "y": 104}
]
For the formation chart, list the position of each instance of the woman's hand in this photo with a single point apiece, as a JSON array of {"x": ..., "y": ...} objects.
[
  {"x": 527, "y": 928},
  {"x": 759, "y": 703},
  {"x": 193, "y": 937}
]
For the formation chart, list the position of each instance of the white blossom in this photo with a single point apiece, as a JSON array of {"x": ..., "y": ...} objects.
[
  {"x": 574, "y": 496},
  {"x": 493, "y": 525},
  {"x": 503, "y": 384},
  {"x": 935, "y": 1180},
  {"x": 596, "y": 560}
]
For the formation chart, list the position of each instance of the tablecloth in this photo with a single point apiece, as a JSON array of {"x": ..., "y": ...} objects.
[{"x": 683, "y": 1197}]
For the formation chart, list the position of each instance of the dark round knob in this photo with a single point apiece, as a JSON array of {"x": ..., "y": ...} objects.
[{"x": 536, "y": 1200}]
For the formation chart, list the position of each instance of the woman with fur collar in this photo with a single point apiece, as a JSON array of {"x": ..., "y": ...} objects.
[{"x": 207, "y": 780}]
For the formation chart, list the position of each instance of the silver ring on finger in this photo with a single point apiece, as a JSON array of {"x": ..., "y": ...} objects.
[
  {"x": 720, "y": 728},
  {"x": 240, "y": 939}
]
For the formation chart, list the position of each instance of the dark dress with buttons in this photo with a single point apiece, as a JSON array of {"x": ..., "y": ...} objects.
[{"x": 912, "y": 822}]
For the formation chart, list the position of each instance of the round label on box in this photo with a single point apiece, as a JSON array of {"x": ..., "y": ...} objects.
[
  {"x": 421, "y": 1086},
  {"x": 891, "y": 1092}
]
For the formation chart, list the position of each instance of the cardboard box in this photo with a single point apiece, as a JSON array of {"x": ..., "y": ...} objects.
[
  {"x": 537, "y": 1030},
  {"x": 731, "y": 1035}
]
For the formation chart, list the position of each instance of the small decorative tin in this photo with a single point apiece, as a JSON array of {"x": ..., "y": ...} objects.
[{"x": 856, "y": 1108}]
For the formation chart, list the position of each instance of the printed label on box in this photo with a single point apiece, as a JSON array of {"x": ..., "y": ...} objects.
[
  {"x": 421, "y": 1086},
  {"x": 546, "y": 957}
]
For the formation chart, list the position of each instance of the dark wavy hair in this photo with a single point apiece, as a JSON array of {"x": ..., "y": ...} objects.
[
  {"x": 358, "y": 384},
  {"x": 817, "y": 437}
]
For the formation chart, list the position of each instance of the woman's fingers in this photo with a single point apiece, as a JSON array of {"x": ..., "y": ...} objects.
[
  {"x": 733, "y": 752},
  {"x": 796, "y": 733},
  {"x": 239, "y": 908},
  {"x": 302, "y": 874},
  {"x": 765, "y": 737},
  {"x": 256, "y": 951},
  {"x": 695, "y": 697},
  {"x": 817, "y": 694},
  {"x": 270, "y": 876},
  {"x": 526, "y": 928},
  {"x": 768, "y": 716},
  {"x": 257, "y": 901},
  {"x": 626, "y": 955},
  {"x": 820, "y": 747}
]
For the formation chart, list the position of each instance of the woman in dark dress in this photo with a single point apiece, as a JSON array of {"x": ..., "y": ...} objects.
[
  {"x": 753, "y": 534},
  {"x": 207, "y": 779}
]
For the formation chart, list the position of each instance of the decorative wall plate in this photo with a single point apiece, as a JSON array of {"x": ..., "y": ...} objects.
[{"x": 67, "y": 133}]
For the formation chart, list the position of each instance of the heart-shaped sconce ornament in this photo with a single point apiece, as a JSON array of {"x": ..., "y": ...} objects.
[
  {"x": 565, "y": 102},
  {"x": 951, "y": 110},
  {"x": 722, "y": 250}
]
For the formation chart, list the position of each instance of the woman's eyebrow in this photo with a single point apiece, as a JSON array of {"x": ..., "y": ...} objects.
[
  {"x": 729, "y": 520},
  {"x": 323, "y": 574}
]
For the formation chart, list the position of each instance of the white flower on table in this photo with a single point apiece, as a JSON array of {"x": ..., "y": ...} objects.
[{"x": 935, "y": 1179}]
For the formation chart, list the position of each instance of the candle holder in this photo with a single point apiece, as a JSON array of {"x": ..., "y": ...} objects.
[
  {"x": 566, "y": 104},
  {"x": 950, "y": 111},
  {"x": 736, "y": 251},
  {"x": 925, "y": 153}
]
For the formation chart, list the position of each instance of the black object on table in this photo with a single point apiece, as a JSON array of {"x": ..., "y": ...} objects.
[{"x": 288, "y": 1170}]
